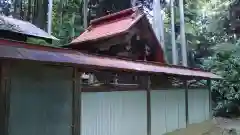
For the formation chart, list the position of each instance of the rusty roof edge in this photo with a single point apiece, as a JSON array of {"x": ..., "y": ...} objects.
[
  {"x": 143, "y": 63},
  {"x": 36, "y": 46},
  {"x": 154, "y": 64}
]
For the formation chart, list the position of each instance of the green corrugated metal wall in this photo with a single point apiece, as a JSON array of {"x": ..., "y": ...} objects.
[{"x": 40, "y": 100}]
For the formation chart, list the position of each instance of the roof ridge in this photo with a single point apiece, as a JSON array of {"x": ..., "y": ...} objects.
[{"x": 113, "y": 16}]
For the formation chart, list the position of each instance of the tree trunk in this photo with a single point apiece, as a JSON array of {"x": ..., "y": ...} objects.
[
  {"x": 60, "y": 7},
  {"x": 182, "y": 33},
  {"x": 29, "y": 13},
  {"x": 40, "y": 13},
  {"x": 49, "y": 14},
  {"x": 17, "y": 9},
  {"x": 85, "y": 13},
  {"x": 21, "y": 10},
  {"x": 34, "y": 14},
  {"x": 134, "y": 3}
]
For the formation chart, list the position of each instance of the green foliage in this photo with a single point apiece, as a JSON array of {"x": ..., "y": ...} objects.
[
  {"x": 38, "y": 41},
  {"x": 213, "y": 46},
  {"x": 67, "y": 19},
  {"x": 225, "y": 62}
]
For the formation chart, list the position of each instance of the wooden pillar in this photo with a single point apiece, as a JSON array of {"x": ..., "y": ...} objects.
[
  {"x": 76, "y": 104},
  {"x": 148, "y": 106},
  {"x": 186, "y": 103},
  {"x": 80, "y": 102},
  {"x": 4, "y": 97},
  {"x": 210, "y": 98}
]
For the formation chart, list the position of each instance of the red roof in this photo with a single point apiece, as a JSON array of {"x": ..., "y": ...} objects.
[
  {"x": 118, "y": 24},
  {"x": 23, "y": 51},
  {"x": 109, "y": 26}
]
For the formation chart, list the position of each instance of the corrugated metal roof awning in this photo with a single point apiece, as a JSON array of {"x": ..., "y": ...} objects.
[
  {"x": 23, "y": 27},
  {"x": 47, "y": 54}
]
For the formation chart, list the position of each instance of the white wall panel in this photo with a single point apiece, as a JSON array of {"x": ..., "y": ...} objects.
[
  {"x": 198, "y": 105},
  {"x": 168, "y": 111},
  {"x": 114, "y": 113}
]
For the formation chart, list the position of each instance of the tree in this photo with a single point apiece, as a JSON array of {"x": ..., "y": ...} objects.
[{"x": 67, "y": 19}]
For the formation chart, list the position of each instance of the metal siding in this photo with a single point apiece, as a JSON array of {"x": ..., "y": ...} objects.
[
  {"x": 168, "y": 111},
  {"x": 114, "y": 113},
  {"x": 40, "y": 101},
  {"x": 198, "y": 105}
]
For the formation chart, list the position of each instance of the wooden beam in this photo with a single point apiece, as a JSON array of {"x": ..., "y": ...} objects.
[
  {"x": 76, "y": 103},
  {"x": 148, "y": 106},
  {"x": 106, "y": 44},
  {"x": 80, "y": 103}
]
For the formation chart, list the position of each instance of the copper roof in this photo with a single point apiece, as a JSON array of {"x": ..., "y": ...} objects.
[
  {"x": 23, "y": 27},
  {"x": 109, "y": 26},
  {"x": 22, "y": 51}
]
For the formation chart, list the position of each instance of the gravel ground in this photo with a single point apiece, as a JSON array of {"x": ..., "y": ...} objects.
[
  {"x": 228, "y": 124},
  {"x": 217, "y": 126}
]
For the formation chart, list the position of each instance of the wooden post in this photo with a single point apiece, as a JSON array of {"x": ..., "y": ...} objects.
[
  {"x": 186, "y": 103},
  {"x": 2, "y": 103},
  {"x": 148, "y": 106},
  {"x": 210, "y": 98},
  {"x": 80, "y": 102},
  {"x": 4, "y": 97},
  {"x": 76, "y": 113}
]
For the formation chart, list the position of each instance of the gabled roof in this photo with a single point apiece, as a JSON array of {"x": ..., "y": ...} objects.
[
  {"x": 23, "y": 27},
  {"x": 118, "y": 24},
  {"x": 109, "y": 26},
  {"x": 23, "y": 51}
]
